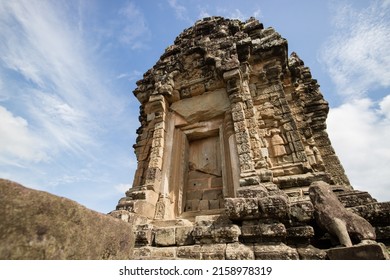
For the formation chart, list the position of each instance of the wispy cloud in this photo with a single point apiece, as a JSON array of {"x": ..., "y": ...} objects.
[
  {"x": 17, "y": 143},
  {"x": 181, "y": 11},
  {"x": 232, "y": 13},
  {"x": 57, "y": 107},
  {"x": 134, "y": 30},
  {"x": 359, "y": 50},
  {"x": 133, "y": 75},
  {"x": 122, "y": 188},
  {"x": 60, "y": 89},
  {"x": 358, "y": 61},
  {"x": 360, "y": 133}
]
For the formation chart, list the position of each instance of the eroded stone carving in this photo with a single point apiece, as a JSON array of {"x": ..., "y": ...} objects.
[{"x": 338, "y": 221}]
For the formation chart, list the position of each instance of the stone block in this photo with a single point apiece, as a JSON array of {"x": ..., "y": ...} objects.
[
  {"x": 204, "y": 205},
  {"x": 184, "y": 235},
  {"x": 250, "y": 232},
  {"x": 273, "y": 207},
  {"x": 211, "y": 104},
  {"x": 299, "y": 235},
  {"x": 196, "y": 194},
  {"x": 211, "y": 220},
  {"x": 301, "y": 211},
  {"x": 248, "y": 181},
  {"x": 168, "y": 253},
  {"x": 212, "y": 194},
  {"x": 142, "y": 253},
  {"x": 214, "y": 204},
  {"x": 197, "y": 89},
  {"x": 371, "y": 251},
  {"x": 192, "y": 205},
  {"x": 214, "y": 229},
  {"x": 226, "y": 234},
  {"x": 171, "y": 223},
  {"x": 120, "y": 214},
  {"x": 144, "y": 235},
  {"x": 216, "y": 182},
  {"x": 300, "y": 231},
  {"x": 275, "y": 252},
  {"x": 239, "y": 251},
  {"x": 194, "y": 184},
  {"x": 355, "y": 198},
  {"x": 213, "y": 251},
  {"x": 136, "y": 219},
  {"x": 311, "y": 253},
  {"x": 252, "y": 192},
  {"x": 189, "y": 252},
  {"x": 254, "y": 231},
  {"x": 382, "y": 233},
  {"x": 378, "y": 214},
  {"x": 221, "y": 203},
  {"x": 234, "y": 207},
  {"x": 164, "y": 236},
  {"x": 203, "y": 234},
  {"x": 242, "y": 208},
  {"x": 273, "y": 232},
  {"x": 140, "y": 207}
]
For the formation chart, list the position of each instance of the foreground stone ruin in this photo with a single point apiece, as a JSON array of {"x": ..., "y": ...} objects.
[
  {"x": 232, "y": 136},
  {"x": 36, "y": 225}
]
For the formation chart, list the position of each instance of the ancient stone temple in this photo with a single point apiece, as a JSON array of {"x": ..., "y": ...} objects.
[{"x": 232, "y": 136}]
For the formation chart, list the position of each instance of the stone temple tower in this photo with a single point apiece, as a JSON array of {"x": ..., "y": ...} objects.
[{"x": 232, "y": 135}]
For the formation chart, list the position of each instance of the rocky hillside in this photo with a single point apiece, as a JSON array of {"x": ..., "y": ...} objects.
[{"x": 38, "y": 225}]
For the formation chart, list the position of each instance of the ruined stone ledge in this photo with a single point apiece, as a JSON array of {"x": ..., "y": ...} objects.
[
  {"x": 301, "y": 212},
  {"x": 378, "y": 214},
  {"x": 269, "y": 207},
  {"x": 383, "y": 234},
  {"x": 299, "y": 235},
  {"x": 302, "y": 180},
  {"x": 275, "y": 252},
  {"x": 355, "y": 198},
  {"x": 258, "y": 232},
  {"x": 311, "y": 253},
  {"x": 230, "y": 251},
  {"x": 140, "y": 207}
]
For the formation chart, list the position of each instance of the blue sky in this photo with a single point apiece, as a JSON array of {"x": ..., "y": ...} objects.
[{"x": 67, "y": 70}]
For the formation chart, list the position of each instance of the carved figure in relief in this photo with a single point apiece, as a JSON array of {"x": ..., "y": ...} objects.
[
  {"x": 277, "y": 145},
  {"x": 313, "y": 155}
]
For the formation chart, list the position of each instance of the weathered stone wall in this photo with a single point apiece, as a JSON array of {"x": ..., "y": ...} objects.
[
  {"x": 232, "y": 135},
  {"x": 36, "y": 225},
  {"x": 234, "y": 81}
]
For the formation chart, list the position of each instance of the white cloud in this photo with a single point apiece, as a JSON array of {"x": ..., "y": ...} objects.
[
  {"x": 384, "y": 106},
  {"x": 361, "y": 137},
  {"x": 133, "y": 26},
  {"x": 65, "y": 126},
  {"x": 17, "y": 142},
  {"x": 358, "y": 51},
  {"x": 3, "y": 93},
  {"x": 58, "y": 102},
  {"x": 133, "y": 75},
  {"x": 358, "y": 61},
  {"x": 122, "y": 188},
  {"x": 180, "y": 11},
  {"x": 58, "y": 88},
  {"x": 227, "y": 12}
]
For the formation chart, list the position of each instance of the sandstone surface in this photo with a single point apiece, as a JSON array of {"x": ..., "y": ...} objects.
[
  {"x": 232, "y": 135},
  {"x": 36, "y": 225}
]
